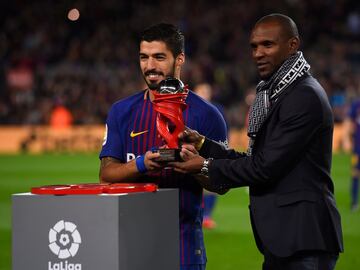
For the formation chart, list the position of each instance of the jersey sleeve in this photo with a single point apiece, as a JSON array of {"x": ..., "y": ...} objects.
[
  {"x": 214, "y": 126},
  {"x": 112, "y": 144}
]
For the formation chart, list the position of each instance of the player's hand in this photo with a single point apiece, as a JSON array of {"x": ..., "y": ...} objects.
[
  {"x": 191, "y": 136},
  {"x": 150, "y": 162},
  {"x": 192, "y": 165},
  {"x": 188, "y": 152}
]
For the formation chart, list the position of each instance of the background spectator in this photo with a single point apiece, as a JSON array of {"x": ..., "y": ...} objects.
[{"x": 91, "y": 62}]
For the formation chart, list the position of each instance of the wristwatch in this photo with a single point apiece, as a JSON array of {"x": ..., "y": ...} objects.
[{"x": 205, "y": 167}]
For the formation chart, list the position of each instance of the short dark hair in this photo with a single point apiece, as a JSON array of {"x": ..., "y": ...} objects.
[
  {"x": 167, "y": 33},
  {"x": 287, "y": 24}
]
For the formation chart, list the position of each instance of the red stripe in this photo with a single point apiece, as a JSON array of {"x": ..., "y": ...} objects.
[
  {"x": 134, "y": 127},
  {"x": 127, "y": 136},
  {"x": 152, "y": 126},
  {"x": 187, "y": 115},
  {"x": 145, "y": 146},
  {"x": 140, "y": 125}
]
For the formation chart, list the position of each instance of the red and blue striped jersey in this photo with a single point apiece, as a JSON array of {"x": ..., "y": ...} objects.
[{"x": 131, "y": 131}]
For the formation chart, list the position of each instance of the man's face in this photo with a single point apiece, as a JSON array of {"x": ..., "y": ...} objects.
[
  {"x": 157, "y": 63},
  {"x": 270, "y": 48}
]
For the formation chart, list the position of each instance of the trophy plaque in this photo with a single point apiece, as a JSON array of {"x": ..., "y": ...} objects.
[{"x": 169, "y": 103}]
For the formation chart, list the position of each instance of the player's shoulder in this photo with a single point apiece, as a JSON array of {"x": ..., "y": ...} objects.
[
  {"x": 128, "y": 102},
  {"x": 201, "y": 105}
]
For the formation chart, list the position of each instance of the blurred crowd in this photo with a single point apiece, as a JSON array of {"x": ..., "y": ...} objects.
[{"x": 85, "y": 65}]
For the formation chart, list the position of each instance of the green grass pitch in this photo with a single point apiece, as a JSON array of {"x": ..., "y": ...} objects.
[{"x": 229, "y": 246}]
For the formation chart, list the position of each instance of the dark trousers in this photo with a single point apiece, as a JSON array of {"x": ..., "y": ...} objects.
[{"x": 307, "y": 260}]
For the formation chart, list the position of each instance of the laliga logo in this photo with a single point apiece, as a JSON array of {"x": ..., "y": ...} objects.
[{"x": 64, "y": 239}]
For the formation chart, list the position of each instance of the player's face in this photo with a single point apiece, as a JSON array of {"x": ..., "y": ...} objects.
[
  {"x": 157, "y": 62},
  {"x": 269, "y": 48}
]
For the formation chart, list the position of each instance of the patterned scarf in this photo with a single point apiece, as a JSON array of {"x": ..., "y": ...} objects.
[{"x": 268, "y": 91}]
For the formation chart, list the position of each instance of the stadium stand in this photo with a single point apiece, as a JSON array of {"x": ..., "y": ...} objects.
[{"x": 91, "y": 62}]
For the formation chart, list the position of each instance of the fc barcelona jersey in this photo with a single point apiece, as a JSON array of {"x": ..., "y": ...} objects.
[{"x": 131, "y": 131}]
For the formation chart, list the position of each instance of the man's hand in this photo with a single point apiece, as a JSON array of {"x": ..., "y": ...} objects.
[
  {"x": 188, "y": 152},
  {"x": 191, "y": 136},
  {"x": 192, "y": 165},
  {"x": 150, "y": 163}
]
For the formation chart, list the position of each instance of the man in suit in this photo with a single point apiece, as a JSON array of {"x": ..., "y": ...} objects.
[{"x": 293, "y": 212}]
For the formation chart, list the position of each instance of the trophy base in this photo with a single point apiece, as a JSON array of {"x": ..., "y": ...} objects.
[{"x": 168, "y": 155}]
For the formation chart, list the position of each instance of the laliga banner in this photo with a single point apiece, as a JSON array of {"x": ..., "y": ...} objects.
[{"x": 41, "y": 139}]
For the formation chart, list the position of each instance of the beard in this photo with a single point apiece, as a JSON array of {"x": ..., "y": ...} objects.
[
  {"x": 155, "y": 85},
  {"x": 152, "y": 86}
]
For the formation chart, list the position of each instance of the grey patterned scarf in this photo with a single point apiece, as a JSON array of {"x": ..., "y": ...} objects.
[{"x": 268, "y": 91}]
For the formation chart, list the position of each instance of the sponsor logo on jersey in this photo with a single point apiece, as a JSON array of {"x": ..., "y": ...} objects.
[
  {"x": 134, "y": 134},
  {"x": 130, "y": 156}
]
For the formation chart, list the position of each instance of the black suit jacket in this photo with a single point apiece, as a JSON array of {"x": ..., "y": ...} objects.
[{"x": 292, "y": 205}]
